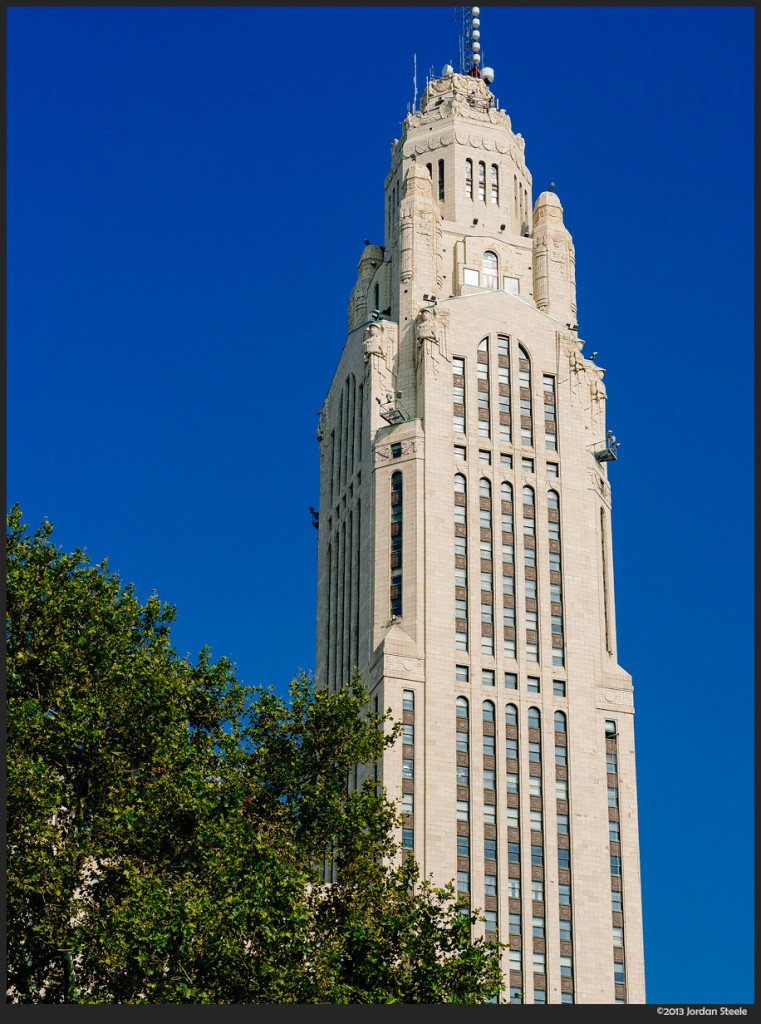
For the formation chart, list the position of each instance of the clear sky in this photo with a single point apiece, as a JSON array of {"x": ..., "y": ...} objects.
[{"x": 188, "y": 194}]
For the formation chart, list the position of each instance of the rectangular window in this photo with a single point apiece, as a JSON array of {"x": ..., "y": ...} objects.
[
  {"x": 535, "y": 817},
  {"x": 561, "y": 757},
  {"x": 463, "y": 775},
  {"x": 537, "y": 856},
  {"x": 561, "y": 789},
  {"x": 533, "y": 684},
  {"x": 564, "y": 894},
  {"x": 553, "y": 530},
  {"x": 460, "y": 515},
  {"x": 408, "y": 700},
  {"x": 486, "y": 581},
  {"x": 563, "y": 826},
  {"x": 508, "y": 616},
  {"x": 511, "y": 285},
  {"x": 408, "y": 803},
  {"x": 489, "y": 746},
  {"x": 512, "y": 817},
  {"x": 460, "y": 452},
  {"x": 527, "y": 465},
  {"x": 558, "y": 688},
  {"x": 614, "y": 832},
  {"x": 506, "y": 461},
  {"x": 511, "y": 748},
  {"x": 461, "y": 641},
  {"x": 490, "y": 921},
  {"x": 540, "y": 963},
  {"x": 618, "y": 936},
  {"x": 537, "y": 927},
  {"x": 463, "y": 881},
  {"x": 512, "y": 782},
  {"x": 485, "y": 457},
  {"x": 532, "y": 621},
  {"x": 461, "y": 673},
  {"x": 529, "y": 557},
  {"x": 507, "y": 522},
  {"x": 553, "y": 469},
  {"x": 513, "y": 853},
  {"x": 441, "y": 180},
  {"x": 540, "y": 996},
  {"x": 511, "y": 681},
  {"x": 408, "y": 768},
  {"x": 463, "y": 810},
  {"x": 564, "y": 859},
  {"x": 565, "y": 930},
  {"x": 535, "y": 785},
  {"x": 462, "y": 742},
  {"x": 508, "y": 648},
  {"x": 555, "y": 561},
  {"x": 490, "y": 778},
  {"x": 534, "y": 751},
  {"x": 515, "y": 959},
  {"x": 555, "y": 593},
  {"x": 508, "y": 554},
  {"x": 558, "y": 658},
  {"x": 612, "y": 796},
  {"x": 408, "y": 838},
  {"x": 490, "y": 814},
  {"x": 487, "y": 645},
  {"x": 458, "y": 424},
  {"x": 487, "y": 677},
  {"x": 615, "y": 866},
  {"x": 617, "y": 901},
  {"x": 458, "y": 366},
  {"x": 508, "y": 585},
  {"x": 408, "y": 733},
  {"x": 490, "y": 885},
  {"x": 483, "y": 428},
  {"x": 463, "y": 846},
  {"x": 537, "y": 890},
  {"x": 619, "y": 974},
  {"x": 612, "y": 762},
  {"x": 566, "y": 967},
  {"x": 514, "y": 892},
  {"x": 470, "y": 277},
  {"x": 487, "y": 613},
  {"x": 490, "y": 849}
]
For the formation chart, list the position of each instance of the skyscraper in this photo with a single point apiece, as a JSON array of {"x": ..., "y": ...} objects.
[{"x": 465, "y": 559}]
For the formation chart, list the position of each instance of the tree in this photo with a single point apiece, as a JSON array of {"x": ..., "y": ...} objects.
[{"x": 167, "y": 824}]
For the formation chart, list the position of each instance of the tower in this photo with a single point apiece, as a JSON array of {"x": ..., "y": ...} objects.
[{"x": 465, "y": 559}]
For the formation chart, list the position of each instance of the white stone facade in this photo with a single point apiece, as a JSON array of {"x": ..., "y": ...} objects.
[{"x": 474, "y": 278}]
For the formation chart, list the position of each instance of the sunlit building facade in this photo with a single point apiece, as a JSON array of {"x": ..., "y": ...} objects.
[{"x": 465, "y": 559}]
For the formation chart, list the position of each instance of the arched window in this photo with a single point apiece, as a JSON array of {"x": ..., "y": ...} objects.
[
  {"x": 524, "y": 381},
  {"x": 459, "y": 483},
  {"x": 528, "y": 495},
  {"x": 553, "y": 500},
  {"x": 507, "y": 491},
  {"x": 494, "y": 183},
  {"x": 482, "y": 181},
  {"x": 533, "y": 718},
  {"x": 490, "y": 265},
  {"x": 396, "y": 482},
  {"x": 441, "y": 180},
  {"x": 468, "y": 179},
  {"x": 488, "y": 711},
  {"x": 462, "y": 707},
  {"x": 559, "y": 721},
  {"x": 484, "y": 488},
  {"x": 511, "y": 714}
]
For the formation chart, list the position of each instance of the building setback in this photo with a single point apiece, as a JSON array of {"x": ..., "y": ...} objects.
[{"x": 465, "y": 560}]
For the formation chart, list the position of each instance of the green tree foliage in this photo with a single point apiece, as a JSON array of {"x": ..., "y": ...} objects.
[{"x": 167, "y": 825}]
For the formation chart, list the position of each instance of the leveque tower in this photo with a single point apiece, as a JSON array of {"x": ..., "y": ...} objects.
[{"x": 465, "y": 561}]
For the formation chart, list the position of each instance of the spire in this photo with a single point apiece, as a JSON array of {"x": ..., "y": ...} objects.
[{"x": 470, "y": 44}]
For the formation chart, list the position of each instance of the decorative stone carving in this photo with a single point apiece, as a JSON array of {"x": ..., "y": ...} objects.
[
  {"x": 378, "y": 348},
  {"x": 432, "y": 349},
  {"x": 322, "y": 421},
  {"x": 411, "y": 446}
]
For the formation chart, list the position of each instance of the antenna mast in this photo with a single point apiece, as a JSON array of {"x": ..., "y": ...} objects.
[
  {"x": 414, "y": 81},
  {"x": 470, "y": 45}
]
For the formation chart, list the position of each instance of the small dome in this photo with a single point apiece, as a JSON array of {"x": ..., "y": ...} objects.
[{"x": 549, "y": 199}]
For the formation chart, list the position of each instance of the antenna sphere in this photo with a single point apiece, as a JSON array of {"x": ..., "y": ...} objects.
[
  {"x": 487, "y": 74},
  {"x": 476, "y": 34},
  {"x": 476, "y": 11},
  {"x": 476, "y": 58},
  {"x": 447, "y": 70},
  {"x": 476, "y": 23},
  {"x": 476, "y": 47}
]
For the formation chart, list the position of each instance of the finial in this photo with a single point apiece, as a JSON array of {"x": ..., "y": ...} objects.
[{"x": 552, "y": 186}]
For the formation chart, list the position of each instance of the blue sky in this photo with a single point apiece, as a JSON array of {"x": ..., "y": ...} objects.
[{"x": 188, "y": 194}]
